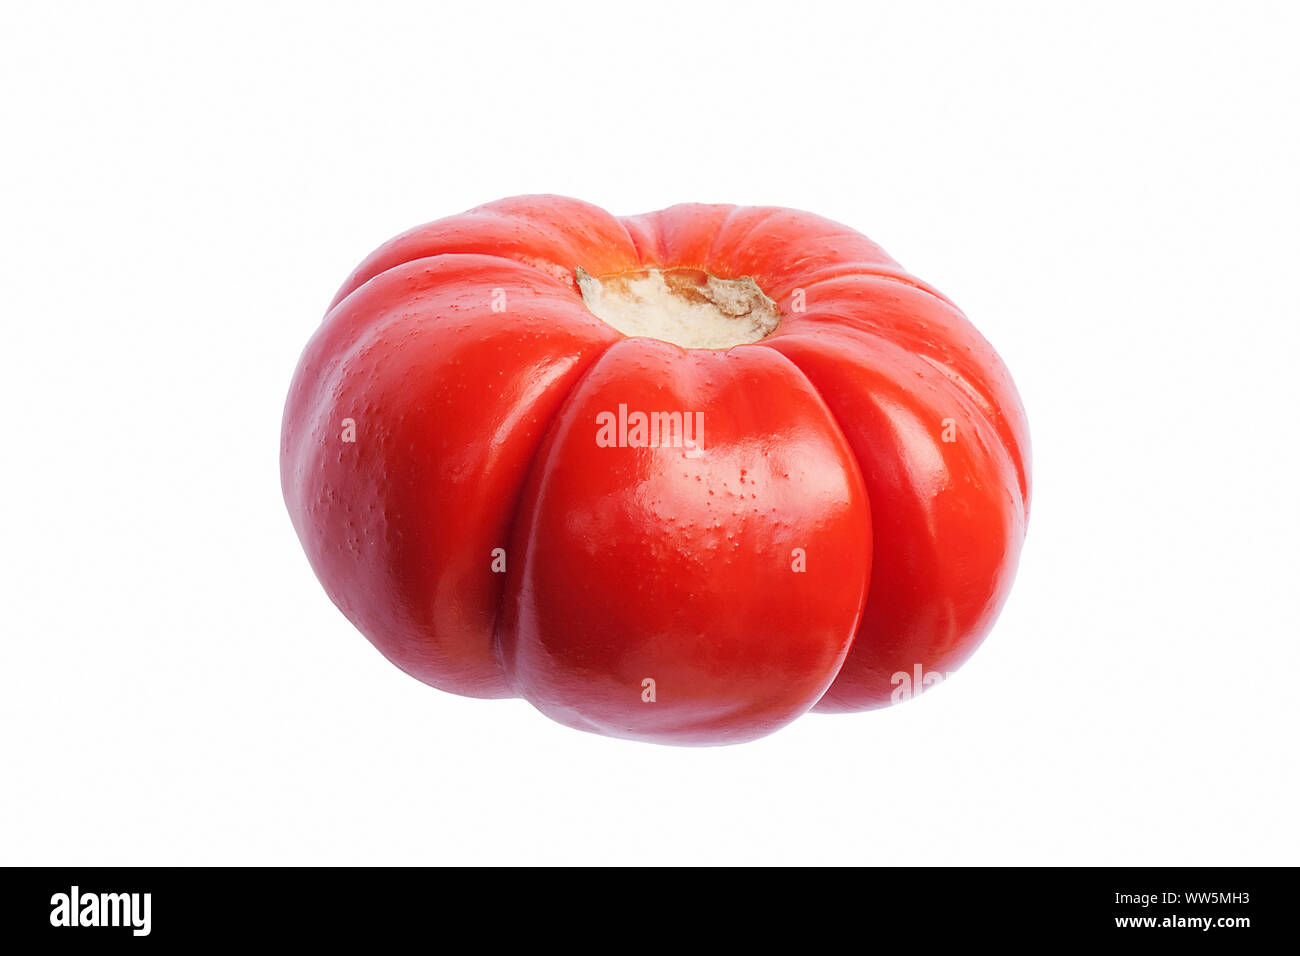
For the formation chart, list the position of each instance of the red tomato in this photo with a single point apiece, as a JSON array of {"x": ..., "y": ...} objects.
[{"x": 801, "y": 478}]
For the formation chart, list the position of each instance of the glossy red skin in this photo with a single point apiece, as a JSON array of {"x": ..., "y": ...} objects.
[{"x": 475, "y": 431}]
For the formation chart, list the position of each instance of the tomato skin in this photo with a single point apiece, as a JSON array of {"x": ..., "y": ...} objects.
[
  {"x": 948, "y": 523},
  {"x": 648, "y": 563},
  {"x": 399, "y": 524},
  {"x": 856, "y": 509}
]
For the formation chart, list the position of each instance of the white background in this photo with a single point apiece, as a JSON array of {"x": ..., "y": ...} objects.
[{"x": 1110, "y": 192}]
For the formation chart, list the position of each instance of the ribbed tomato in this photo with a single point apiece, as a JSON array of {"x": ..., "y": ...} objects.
[{"x": 677, "y": 477}]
